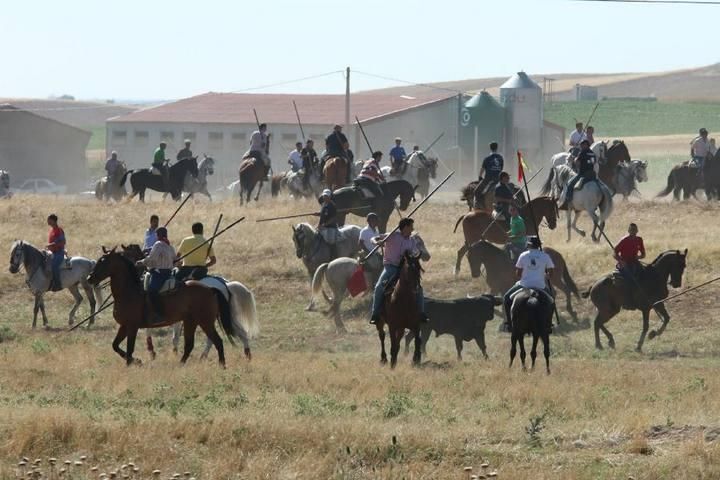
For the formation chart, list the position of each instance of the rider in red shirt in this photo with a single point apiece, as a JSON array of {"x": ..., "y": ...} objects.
[
  {"x": 56, "y": 244},
  {"x": 629, "y": 251}
]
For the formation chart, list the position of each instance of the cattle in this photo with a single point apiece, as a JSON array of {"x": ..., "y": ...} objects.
[{"x": 463, "y": 318}]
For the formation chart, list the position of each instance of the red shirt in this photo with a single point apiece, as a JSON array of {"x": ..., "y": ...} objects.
[
  {"x": 629, "y": 247},
  {"x": 56, "y": 239}
]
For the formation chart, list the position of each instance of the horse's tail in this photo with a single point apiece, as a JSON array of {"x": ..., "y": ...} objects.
[
  {"x": 570, "y": 282},
  {"x": 275, "y": 185},
  {"x": 317, "y": 281},
  {"x": 547, "y": 186},
  {"x": 670, "y": 185},
  {"x": 225, "y": 315},
  {"x": 606, "y": 203},
  {"x": 462, "y": 217},
  {"x": 124, "y": 177},
  {"x": 244, "y": 311}
]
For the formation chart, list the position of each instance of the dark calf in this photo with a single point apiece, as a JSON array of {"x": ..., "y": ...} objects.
[{"x": 463, "y": 318}]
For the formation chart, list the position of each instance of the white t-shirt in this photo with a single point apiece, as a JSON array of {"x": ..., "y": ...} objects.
[
  {"x": 296, "y": 158},
  {"x": 576, "y": 137},
  {"x": 366, "y": 236},
  {"x": 534, "y": 263},
  {"x": 700, "y": 147}
]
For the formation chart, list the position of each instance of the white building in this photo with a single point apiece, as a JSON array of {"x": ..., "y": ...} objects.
[{"x": 220, "y": 125}]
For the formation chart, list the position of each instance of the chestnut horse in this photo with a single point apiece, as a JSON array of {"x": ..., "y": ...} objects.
[
  {"x": 400, "y": 311},
  {"x": 251, "y": 173},
  {"x": 336, "y": 172},
  {"x": 475, "y": 224},
  {"x": 193, "y": 304}
]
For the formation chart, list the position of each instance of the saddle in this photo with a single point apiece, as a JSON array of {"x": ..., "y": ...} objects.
[
  {"x": 360, "y": 188},
  {"x": 170, "y": 285},
  {"x": 581, "y": 183},
  {"x": 48, "y": 262},
  {"x": 539, "y": 292}
]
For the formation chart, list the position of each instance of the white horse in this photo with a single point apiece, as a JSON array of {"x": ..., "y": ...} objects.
[
  {"x": 599, "y": 149},
  {"x": 337, "y": 274},
  {"x": 5, "y": 184},
  {"x": 627, "y": 174},
  {"x": 593, "y": 196},
  {"x": 198, "y": 184},
  {"x": 244, "y": 314},
  {"x": 314, "y": 251},
  {"x": 38, "y": 277},
  {"x": 418, "y": 170},
  {"x": 297, "y": 187}
]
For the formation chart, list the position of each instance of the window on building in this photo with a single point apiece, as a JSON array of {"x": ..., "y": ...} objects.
[
  {"x": 189, "y": 136},
  {"x": 119, "y": 137},
  {"x": 167, "y": 137},
  {"x": 239, "y": 140},
  {"x": 142, "y": 138},
  {"x": 215, "y": 140}
]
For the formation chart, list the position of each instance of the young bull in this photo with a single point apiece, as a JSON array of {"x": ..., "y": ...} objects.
[{"x": 463, "y": 318}]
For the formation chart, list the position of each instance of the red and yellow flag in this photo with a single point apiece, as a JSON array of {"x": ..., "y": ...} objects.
[{"x": 522, "y": 166}]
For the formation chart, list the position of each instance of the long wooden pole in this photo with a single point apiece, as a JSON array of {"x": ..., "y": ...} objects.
[
  {"x": 309, "y": 214},
  {"x": 686, "y": 291},
  {"x": 177, "y": 210},
  {"x": 217, "y": 226},
  {"x": 212, "y": 238},
  {"x": 297, "y": 114}
]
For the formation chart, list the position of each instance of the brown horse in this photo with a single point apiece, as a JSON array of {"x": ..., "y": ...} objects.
[
  {"x": 193, "y": 304},
  {"x": 476, "y": 223},
  {"x": 467, "y": 194},
  {"x": 336, "y": 172},
  {"x": 500, "y": 271},
  {"x": 400, "y": 311},
  {"x": 616, "y": 153},
  {"x": 614, "y": 292},
  {"x": 251, "y": 173},
  {"x": 682, "y": 178}
]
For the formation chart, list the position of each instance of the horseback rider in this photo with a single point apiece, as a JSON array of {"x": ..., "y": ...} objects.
[
  {"x": 151, "y": 234},
  {"x": 628, "y": 253},
  {"x": 396, "y": 245},
  {"x": 295, "y": 159},
  {"x": 185, "y": 152},
  {"x": 56, "y": 245},
  {"x": 196, "y": 264},
  {"x": 699, "y": 150},
  {"x": 159, "y": 263},
  {"x": 370, "y": 176},
  {"x": 310, "y": 160},
  {"x": 336, "y": 145},
  {"x": 159, "y": 165},
  {"x": 397, "y": 158},
  {"x": 516, "y": 234},
  {"x": 368, "y": 232},
  {"x": 577, "y": 136},
  {"x": 259, "y": 146},
  {"x": 503, "y": 197},
  {"x": 533, "y": 268},
  {"x": 111, "y": 167},
  {"x": 590, "y": 134},
  {"x": 585, "y": 162},
  {"x": 490, "y": 171},
  {"x": 327, "y": 224}
]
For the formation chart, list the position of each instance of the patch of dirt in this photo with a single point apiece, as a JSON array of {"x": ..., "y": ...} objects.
[{"x": 665, "y": 433}]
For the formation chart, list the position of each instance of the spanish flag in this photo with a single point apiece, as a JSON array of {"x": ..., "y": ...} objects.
[{"x": 522, "y": 166}]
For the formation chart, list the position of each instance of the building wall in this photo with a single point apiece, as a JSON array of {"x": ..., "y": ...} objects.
[{"x": 35, "y": 147}]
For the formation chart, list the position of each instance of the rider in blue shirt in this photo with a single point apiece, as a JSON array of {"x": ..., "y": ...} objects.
[
  {"x": 490, "y": 171},
  {"x": 397, "y": 156}
]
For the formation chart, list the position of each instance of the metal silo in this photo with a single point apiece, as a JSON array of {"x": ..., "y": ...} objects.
[
  {"x": 523, "y": 101},
  {"x": 483, "y": 121}
]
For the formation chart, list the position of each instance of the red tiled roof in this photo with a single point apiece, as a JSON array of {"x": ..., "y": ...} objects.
[{"x": 237, "y": 108}]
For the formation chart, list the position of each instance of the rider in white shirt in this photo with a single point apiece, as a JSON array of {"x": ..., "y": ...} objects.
[
  {"x": 295, "y": 158},
  {"x": 577, "y": 135},
  {"x": 369, "y": 232}
]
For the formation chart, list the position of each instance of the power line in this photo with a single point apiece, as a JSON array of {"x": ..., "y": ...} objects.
[
  {"x": 407, "y": 82},
  {"x": 287, "y": 82},
  {"x": 667, "y": 2}
]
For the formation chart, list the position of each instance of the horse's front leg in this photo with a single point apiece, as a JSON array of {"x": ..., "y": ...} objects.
[
  {"x": 119, "y": 337},
  {"x": 41, "y": 304},
  {"x": 36, "y": 307},
  {"x": 597, "y": 227},
  {"x": 381, "y": 336},
  {"x": 660, "y": 308},
  {"x": 460, "y": 254},
  {"x": 533, "y": 351},
  {"x": 575, "y": 227},
  {"x": 417, "y": 356},
  {"x": 645, "y": 328},
  {"x": 257, "y": 195},
  {"x": 78, "y": 300},
  {"x": 131, "y": 337}
]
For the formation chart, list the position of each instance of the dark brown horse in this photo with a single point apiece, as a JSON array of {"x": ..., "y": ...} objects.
[
  {"x": 477, "y": 222},
  {"x": 251, "y": 172},
  {"x": 616, "y": 153},
  {"x": 530, "y": 314},
  {"x": 500, "y": 271},
  {"x": 614, "y": 292},
  {"x": 335, "y": 172},
  {"x": 467, "y": 194},
  {"x": 193, "y": 304},
  {"x": 400, "y": 311},
  {"x": 682, "y": 178}
]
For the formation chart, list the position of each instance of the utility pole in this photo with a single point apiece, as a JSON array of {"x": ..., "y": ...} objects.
[{"x": 347, "y": 99}]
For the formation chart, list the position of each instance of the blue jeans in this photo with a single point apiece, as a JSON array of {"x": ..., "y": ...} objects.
[
  {"x": 570, "y": 189},
  {"x": 388, "y": 274},
  {"x": 158, "y": 277},
  {"x": 57, "y": 260}
]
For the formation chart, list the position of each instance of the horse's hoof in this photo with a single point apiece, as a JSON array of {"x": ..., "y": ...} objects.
[
  {"x": 652, "y": 334},
  {"x": 153, "y": 355},
  {"x": 638, "y": 349},
  {"x": 248, "y": 354},
  {"x": 599, "y": 347}
]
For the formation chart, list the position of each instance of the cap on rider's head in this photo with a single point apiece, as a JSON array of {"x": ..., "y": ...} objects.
[
  {"x": 337, "y": 127},
  {"x": 398, "y": 139},
  {"x": 703, "y": 131},
  {"x": 533, "y": 241},
  {"x": 326, "y": 193},
  {"x": 113, "y": 153},
  {"x": 187, "y": 141},
  {"x": 161, "y": 232},
  {"x": 163, "y": 144},
  {"x": 371, "y": 216}
]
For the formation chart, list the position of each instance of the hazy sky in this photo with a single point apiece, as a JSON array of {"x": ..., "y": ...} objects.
[{"x": 155, "y": 49}]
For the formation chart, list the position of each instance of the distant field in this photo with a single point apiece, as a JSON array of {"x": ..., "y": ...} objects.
[
  {"x": 620, "y": 118},
  {"x": 97, "y": 141}
]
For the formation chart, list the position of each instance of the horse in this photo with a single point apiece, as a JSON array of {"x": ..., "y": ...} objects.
[
  {"x": 608, "y": 158},
  {"x": 682, "y": 178},
  {"x": 295, "y": 183},
  {"x": 530, "y": 314},
  {"x": 38, "y": 277},
  {"x": 252, "y": 171},
  {"x": 400, "y": 311},
  {"x": 500, "y": 271},
  {"x": 142, "y": 179},
  {"x": 417, "y": 170},
  {"x": 106, "y": 191},
  {"x": 626, "y": 174},
  {"x": 337, "y": 274},
  {"x": 594, "y": 195},
  {"x": 475, "y": 224},
  {"x": 599, "y": 148},
  {"x": 199, "y": 184},
  {"x": 5, "y": 184},
  {"x": 648, "y": 287},
  {"x": 335, "y": 172},
  {"x": 314, "y": 251},
  {"x": 352, "y": 200},
  {"x": 467, "y": 194},
  {"x": 193, "y": 303},
  {"x": 711, "y": 176}
]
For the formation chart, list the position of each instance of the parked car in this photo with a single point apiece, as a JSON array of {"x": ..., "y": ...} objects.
[{"x": 41, "y": 186}]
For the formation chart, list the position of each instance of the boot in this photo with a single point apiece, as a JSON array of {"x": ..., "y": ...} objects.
[
  {"x": 374, "y": 319},
  {"x": 55, "y": 284},
  {"x": 505, "y": 327},
  {"x": 424, "y": 318}
]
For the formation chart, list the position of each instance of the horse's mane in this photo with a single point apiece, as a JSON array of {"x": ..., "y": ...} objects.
[
  {"x": 132, "y": 273},
  {"x": 664, "y": 254},
  {"x": 32, "y": 249}
]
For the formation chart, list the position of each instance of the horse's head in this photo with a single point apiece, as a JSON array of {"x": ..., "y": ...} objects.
[
  {"x": 103, "y": 266},
  {"x": 678, "y": 261},
  {"x": 432, "y": 164},
  {"x": 302, "y": 234},
  {"x": 17, "y": 256},
  {"x": 618, "y": 152},
  {"x": 477, "y": 256},
  {"x": 600, "y": 151},
  {"x": 548, "y": 208},
  {"x": 411, "y": 270},
  {"x": 207, "y": 165},
  {"x": 640, "y": 170},
  {"x": 132, "y": 252},
  {"x": 424, "y": 253}
]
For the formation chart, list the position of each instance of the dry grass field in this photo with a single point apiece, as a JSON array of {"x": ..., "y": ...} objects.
[{"x": 313, "y": 404}]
